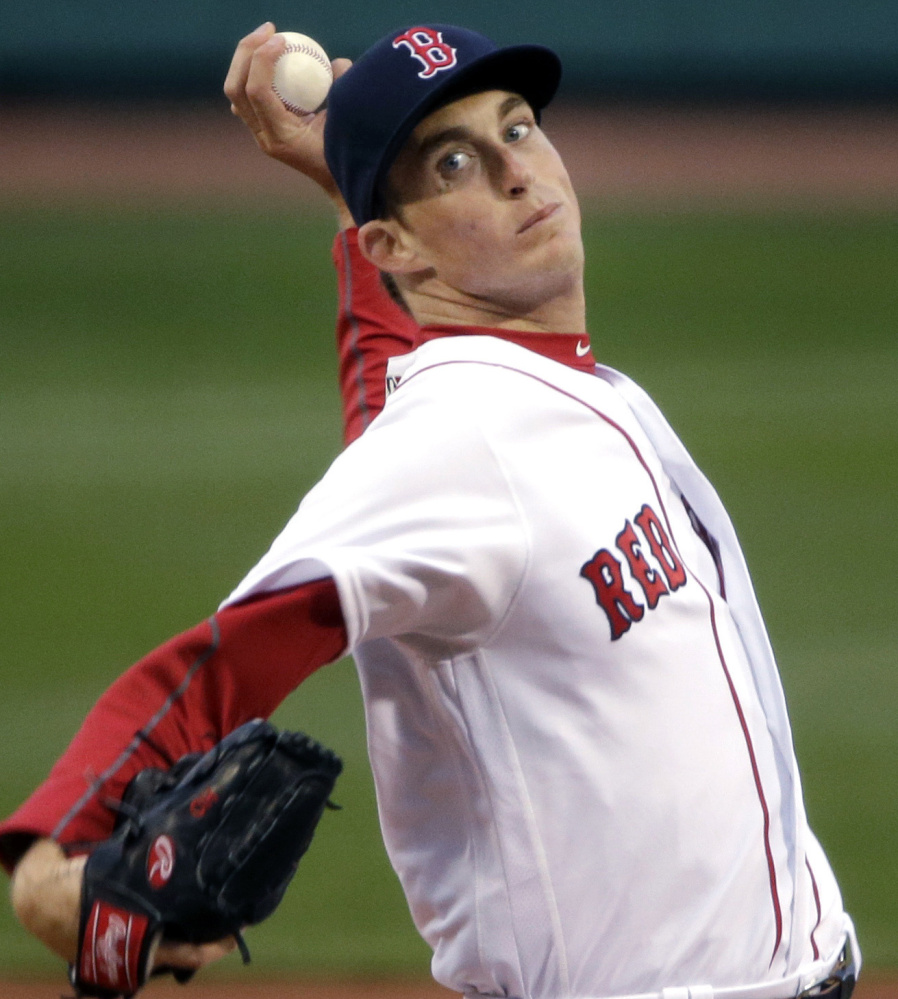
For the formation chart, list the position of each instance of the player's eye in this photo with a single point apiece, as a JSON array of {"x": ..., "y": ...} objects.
[
  {"x": 520, "y": 130},
  {"x": 454, "y": 162}
]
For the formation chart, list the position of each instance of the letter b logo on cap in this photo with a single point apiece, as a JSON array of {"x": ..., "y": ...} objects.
[{"x": 428, "y": 46}]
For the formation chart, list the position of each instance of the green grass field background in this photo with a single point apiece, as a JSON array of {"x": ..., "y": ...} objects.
[{"x": 167, "y": 393}]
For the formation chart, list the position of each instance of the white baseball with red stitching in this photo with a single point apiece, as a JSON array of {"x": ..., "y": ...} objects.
[{"x": 303, "y": 74}]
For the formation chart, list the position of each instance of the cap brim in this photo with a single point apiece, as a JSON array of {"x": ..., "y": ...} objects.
[{"x": 532, "y": 71}]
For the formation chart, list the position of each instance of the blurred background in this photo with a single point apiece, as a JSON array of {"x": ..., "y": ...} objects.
[
  {"x": 791, "y": 48},
  {"x": 167, "y": 378}
]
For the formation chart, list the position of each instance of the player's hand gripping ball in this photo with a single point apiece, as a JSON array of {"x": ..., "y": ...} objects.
[{"x": 302, "y": 74}]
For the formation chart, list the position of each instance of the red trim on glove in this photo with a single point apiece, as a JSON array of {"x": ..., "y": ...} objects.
[{"x": 113, "y": 949}]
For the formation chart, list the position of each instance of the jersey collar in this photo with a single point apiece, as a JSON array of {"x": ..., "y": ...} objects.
[{"x": 572, "y": 349}]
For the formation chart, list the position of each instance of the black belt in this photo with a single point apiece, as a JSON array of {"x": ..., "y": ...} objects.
[
  {"x": 840, "y": 983},
  {"x": 832, "y": 988}
]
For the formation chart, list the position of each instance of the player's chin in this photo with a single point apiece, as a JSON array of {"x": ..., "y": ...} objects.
[{"x": 557, "y": 259}]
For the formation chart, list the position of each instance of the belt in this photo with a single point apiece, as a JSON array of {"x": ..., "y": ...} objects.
[{"x": 840, "y": 982}]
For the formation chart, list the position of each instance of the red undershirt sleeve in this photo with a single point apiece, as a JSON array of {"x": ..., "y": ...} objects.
[
  {"x": 371, "y": 328},
  {"x": 181, "y": 698}
]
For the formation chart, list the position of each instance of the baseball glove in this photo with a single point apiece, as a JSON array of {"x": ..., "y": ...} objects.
[{"x": 201, "y": 851}]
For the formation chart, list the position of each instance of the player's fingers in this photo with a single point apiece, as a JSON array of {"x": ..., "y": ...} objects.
[
  {"x": 192, "y": 956},
  {"x": 267, "y": 106},
  {"x": 339, "y": 67},
  {"x": 238, "y": 72},
  {"x": 294, "y": 139},
  {"x": 240, "y": 61}
]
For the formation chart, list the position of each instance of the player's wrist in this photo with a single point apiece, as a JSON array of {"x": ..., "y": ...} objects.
[
  {"x": 344, "y": 216},
  {"x": 46, "y": 896}
]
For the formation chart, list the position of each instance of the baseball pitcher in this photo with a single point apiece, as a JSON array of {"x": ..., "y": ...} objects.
[{"x": 580, "y": 745}]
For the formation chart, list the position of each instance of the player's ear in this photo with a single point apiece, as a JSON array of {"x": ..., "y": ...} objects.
[{"x": 389, "y": 246}]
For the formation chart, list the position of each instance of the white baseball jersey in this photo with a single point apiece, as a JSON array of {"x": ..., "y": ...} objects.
[{"x": 581, "y": 751}]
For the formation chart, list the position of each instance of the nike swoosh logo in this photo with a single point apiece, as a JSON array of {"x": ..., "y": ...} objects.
[{"x": 582, "y": 348}]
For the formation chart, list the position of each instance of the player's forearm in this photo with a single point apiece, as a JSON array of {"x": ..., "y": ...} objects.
[
  {"x": 72, "y": 805},
  {"x": 371, "y": 328},
  {"x": 46, "y": 898},
  {"x": 181, "y": 698},
  {"x": 344, "y": 219}
]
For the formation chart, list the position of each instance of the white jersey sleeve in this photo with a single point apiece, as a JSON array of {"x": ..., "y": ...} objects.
[{"x": 417, "y": 525}]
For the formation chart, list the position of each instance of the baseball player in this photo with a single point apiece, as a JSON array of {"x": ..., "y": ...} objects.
[{"x": 581, "y": 750}]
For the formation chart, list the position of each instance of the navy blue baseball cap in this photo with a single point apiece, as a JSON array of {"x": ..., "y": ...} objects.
[{"x": 375, "y": 106}]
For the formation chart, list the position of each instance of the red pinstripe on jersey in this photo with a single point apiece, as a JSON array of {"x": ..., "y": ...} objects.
[
  {"x": 762, "y": 799},
  {"x": 814, "y": 946}
]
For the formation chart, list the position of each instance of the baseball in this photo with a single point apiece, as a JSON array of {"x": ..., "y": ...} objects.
[{"x": 303, "y": 74}]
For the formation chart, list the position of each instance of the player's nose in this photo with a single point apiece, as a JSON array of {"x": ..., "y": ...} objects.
[{"x": 515, "y": 173}]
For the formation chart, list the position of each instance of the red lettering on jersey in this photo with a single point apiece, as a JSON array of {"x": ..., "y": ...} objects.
[
  {"x": 662, "y": 549},
  {"x": 605, "y": 573},
  {"x": 648, "y": 578},
  {"x": 428, "y": 46}
]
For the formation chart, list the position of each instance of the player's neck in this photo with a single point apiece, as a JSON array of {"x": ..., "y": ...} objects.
[{"x": 438, "y": 305}]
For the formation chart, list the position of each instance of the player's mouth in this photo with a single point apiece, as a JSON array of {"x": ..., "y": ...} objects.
[{"x": 546, "y": 212}]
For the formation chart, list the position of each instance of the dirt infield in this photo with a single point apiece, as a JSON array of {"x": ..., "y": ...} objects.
[
  {"x": 621, "y": 156},
  {"x": 303, "y": 989},
  {"x": 872, "y": 987}
]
